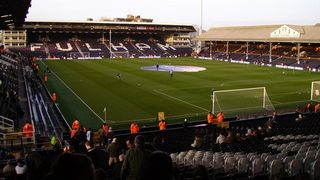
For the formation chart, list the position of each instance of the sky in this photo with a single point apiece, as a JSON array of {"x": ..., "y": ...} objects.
[{"x": 215, "y": 12}]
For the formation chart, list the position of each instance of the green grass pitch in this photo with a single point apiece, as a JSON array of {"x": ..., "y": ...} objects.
[{"x": 85, "y": 87}]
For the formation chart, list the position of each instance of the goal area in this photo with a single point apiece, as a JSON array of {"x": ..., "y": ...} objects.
[
  {"x": 315, "y": 91},
  {"x": 247, "y": 101}
]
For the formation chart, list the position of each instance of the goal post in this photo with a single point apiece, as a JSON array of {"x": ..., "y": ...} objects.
[
  {"x": 315, "y": 91},
  {"x": 241, "y": 101}
]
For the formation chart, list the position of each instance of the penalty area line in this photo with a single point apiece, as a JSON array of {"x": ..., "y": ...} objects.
[
  {"x": 78, "y": 97},
  {"x": 177, "y": 99}
]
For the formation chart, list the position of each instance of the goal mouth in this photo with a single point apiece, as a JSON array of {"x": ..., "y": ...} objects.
[
  {"x": 315, "y": 91},
  {"x": 247, "y": 101},
  {"x": 173, "y": 68}
]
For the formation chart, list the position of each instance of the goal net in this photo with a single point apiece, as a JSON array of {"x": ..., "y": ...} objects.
[
  {"x": 122, "y": 54},
  {"x": 253, "y": 101},
  {"x": 315, "y": 91}
]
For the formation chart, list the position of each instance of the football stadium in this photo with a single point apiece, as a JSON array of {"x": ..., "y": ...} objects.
[{"x": 130, "y": 98}]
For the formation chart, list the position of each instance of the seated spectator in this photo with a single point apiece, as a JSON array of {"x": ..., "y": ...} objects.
[
  {"x": 21, "y": 170},
  {"x": 230, "y": 137},
  {"x": 9, "y": 171},
  {"x": 221, "y": 138},
  {"x": 197, "y": 143}
]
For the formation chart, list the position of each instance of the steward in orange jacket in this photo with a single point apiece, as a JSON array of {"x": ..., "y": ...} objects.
[
  {"x": 75, "y": 124},
  {"x": 27, "y": 129},
  {"x": 134, "y": 128},
  {"x": 53, "y": 97},
  {"x": 210, "y": 118},
  {"x": 220, "y": 117},
  {"x": 162, "y": 125},
  {"x": 45, "y": 78}
]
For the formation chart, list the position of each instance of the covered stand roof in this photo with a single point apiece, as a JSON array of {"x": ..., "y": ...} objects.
[
  {"x": 267, "y": 33},
  {"x": 13, "y": 13}
]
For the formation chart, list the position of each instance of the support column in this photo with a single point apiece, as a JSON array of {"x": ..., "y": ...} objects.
[
  {"x": 228, "y": 50},
  {"x": 247, "y": 52},
  {"x": 210, "y": 49},
  {"x": 270, "y": 52},
  {"x": 110, "y": 44},
  {"x": 298, "y": 55}
]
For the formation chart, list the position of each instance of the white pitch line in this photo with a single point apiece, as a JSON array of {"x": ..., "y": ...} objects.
[
  {"x": 78, "y": 97},
  {"x": 172, "y": 97}
]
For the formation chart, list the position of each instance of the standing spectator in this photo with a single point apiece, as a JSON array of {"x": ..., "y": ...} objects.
[
  {"x": 105, "y": 128},
  {"x": 101, "y": 136},
  {"x": 89, "y": 136},
  {"x": 113, "y": 151},
  {"x": 116, "y": 171},
  {"x": 130, "y": 143},
  {"x": 134, "y": 128},
  {"x": 134, "y": 159},
  {"x": 157, "y": 167}
]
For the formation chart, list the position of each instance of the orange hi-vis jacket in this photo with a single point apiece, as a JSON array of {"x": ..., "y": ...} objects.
[
  {"x": 54, "y": 97},
  {"x": 134, "y": 128},
  {"x": 27, "y": 129},
  {"x": 162, "y": 125},
  {"x": 45, "y": 78},
  {"x": 210, "y": 118},
  {"x": 220, "y": 117},
  {"x": 75, "y": 125},
  {"x": 73, "y": 133}
]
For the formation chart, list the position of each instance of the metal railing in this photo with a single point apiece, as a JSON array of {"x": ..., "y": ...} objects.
[
  {"x": 15, "y": 139},
  {"x": 6, "y": 124}
]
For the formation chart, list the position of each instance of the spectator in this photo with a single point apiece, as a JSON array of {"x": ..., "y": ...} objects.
[
  {"x": 113, "y": 151},
  {"x": 101, "y": 136},
  {"x": 97, "y": 156},
  {"x": 72, "y": 166},
  {"x": 221, "y": 138},
  {"x": 89, "y": 136},
  {"x": 134, "y": 159},
  {"x": 21, "y": 170},
  {"x": 158, "y": 166},
  {"x": 197, "y": 143},
  {"x": 230, "y": 137},
  {"x": 9, "y": 171},
  {"x": 130, "y": 143},
  {"x": 116, "y": 171}
]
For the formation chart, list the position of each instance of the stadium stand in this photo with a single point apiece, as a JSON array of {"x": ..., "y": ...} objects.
[{"x": 265, "y": 45}]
